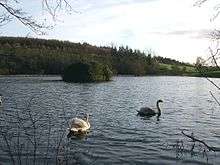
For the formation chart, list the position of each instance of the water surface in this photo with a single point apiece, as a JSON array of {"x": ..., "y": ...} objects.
[{"x": 37, "y": 111}]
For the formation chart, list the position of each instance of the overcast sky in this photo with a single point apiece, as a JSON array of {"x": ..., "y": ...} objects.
[{"x": 171, "y": 28}]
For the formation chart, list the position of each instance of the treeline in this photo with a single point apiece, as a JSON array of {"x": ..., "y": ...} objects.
[
  {"x": 39, "y": 56},
  {"x": 170, "y": 61}
]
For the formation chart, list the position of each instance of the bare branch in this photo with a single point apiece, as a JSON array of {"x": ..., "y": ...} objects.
[
  {"x": 210, "y": 80},
  {"x": 4, "y": 19},
  {"x": 24, "y": 19},
  {"x": 214, "y": 98},
  {"x": 216, "y": 8},
  {"x": 54, "y": 6},
  {"x": 199, "y": 2},
  {"x": 213, "y": 55},
  {"x": 200, "y": 141},
  {"x": 50, "y": 6},
  {"x": 215, "y": 34},
  {"x": 8, "y": 147}
]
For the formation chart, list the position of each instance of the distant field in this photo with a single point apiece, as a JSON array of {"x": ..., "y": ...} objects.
[
  {"x": 214, "y": 74},
  {"x": 167, "y": 66},
  {"x": 189, "y": 69}
]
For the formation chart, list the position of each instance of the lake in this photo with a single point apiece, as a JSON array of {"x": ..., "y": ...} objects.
[{"x": 37, "y": 110}]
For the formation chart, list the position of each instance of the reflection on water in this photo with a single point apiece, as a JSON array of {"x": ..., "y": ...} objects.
[
  {"x": 37, "y": 111},
  {"x": 77, "y": 136},
  {"x": 1, "y": 108}
]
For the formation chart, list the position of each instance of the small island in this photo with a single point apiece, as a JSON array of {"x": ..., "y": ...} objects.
[{"x": 83, "y": 72}]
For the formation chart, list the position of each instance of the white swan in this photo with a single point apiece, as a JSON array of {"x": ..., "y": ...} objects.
[
  {"x": 146, "y": 111},
  {"x": 79, "y": 126}
]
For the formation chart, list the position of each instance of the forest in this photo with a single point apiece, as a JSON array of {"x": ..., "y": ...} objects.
[{"x": 20, "y": 55}]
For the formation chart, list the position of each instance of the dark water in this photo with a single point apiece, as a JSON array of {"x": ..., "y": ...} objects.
[{"x": 37, "y": 111}]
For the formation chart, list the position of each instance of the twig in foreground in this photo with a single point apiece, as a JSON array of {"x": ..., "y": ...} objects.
[
  {"x": 200, "y": 141},
  {"x": 214, "y": 98}
]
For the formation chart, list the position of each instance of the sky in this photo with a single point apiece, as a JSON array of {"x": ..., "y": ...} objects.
[{"x": 169, "y": 28}]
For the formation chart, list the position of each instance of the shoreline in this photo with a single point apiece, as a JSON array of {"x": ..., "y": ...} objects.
[{"x": 119, "y": 75}]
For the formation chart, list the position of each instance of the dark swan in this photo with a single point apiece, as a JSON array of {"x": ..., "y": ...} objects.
[{"x": 146, "y": 111}]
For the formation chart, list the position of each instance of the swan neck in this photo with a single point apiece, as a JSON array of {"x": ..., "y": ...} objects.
[
  {"x": 158, "y": 108},
  {"x": 87, "y": 118}
]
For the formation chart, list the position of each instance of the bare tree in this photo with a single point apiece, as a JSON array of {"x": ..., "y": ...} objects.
[
  {"x": 216, "y": 7},
  {"x": 11, "y": 12},
  {"x": 214, "y": 57}
]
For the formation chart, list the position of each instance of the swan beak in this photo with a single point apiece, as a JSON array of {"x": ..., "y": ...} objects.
[{"x": 89, "y": 115}]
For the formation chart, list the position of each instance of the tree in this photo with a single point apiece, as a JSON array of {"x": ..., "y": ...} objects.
[
  {"x": 215, "y": 35},
  {"x": 216, "y": 7},
  {"x": 87, "y": 72},
  {"x": 214, "y": 52},
  {"x": 200, "y": 62},
  {"x": 10, "y": 12}
]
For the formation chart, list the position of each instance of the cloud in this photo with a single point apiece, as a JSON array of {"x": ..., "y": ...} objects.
[
  {"x": 200, "y": 33},
  {"x": 87, "y": 6},
  {"x": 164, "y": 26}
]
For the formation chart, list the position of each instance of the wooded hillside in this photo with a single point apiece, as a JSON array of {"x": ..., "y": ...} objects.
[{"x": 39, "y": 56}]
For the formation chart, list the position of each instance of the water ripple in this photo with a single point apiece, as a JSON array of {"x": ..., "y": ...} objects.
[{"x": 37, "y": 111}]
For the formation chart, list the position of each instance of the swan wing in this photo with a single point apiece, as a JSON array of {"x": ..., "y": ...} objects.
[
  {"x": 146, "y": 111},
  {"x": 78, "y": 123}
]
